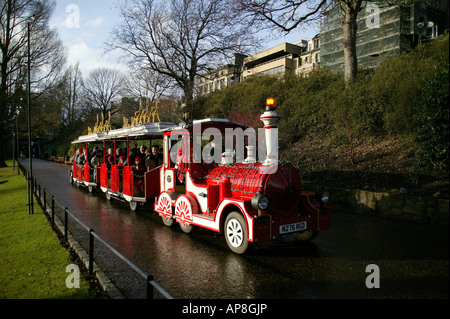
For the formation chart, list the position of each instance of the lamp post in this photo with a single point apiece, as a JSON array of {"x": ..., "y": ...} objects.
[
  {"x": 15, "y": 137},
  {"x": 18, "y": 109},
  {"x": 30, "y": 154},
  {"x": 13, "y": 143}
]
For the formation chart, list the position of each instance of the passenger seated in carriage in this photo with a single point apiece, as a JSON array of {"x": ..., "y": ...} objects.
[
  {"x": 148, "y": 161},
  {"x": 142, "y": 151},
  {"x": 120, "y": 164},
  {"x": 132, "y": 157},
  {"x": 81, "y": 159},
  {"x": 139, "y": 170},
  {"x": 96, "y": 160},
  {"x": 75, "y": 157},
  {"x": 153, "y": 159},
  {"x": 109, "y": 162},
  {"x": 157, "y": 156}
]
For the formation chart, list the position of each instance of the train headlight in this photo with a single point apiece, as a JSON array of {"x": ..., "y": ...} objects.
[
  {"x": 323, "y": 196},
  {"x": 260, "y": 201}
]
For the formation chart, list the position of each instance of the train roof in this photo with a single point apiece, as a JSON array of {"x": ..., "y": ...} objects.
[
  {"x": 134, "y": 131},
  {"x": 208, "y": 122},
  {"x": 157, "y": 128}
]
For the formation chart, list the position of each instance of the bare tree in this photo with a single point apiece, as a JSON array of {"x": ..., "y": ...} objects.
[
  {"x": 103, "y": 88},
  {"x": 143, "y": 87},
  {"x": 180, "y": 38},
  {"x": 149, "y": 84},
  {"x": 47, "y": 55},
  {"x": 288, "y": 15},
  {"x": 72, "y": 86}
]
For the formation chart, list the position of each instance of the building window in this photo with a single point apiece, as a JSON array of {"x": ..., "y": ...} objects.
[
  {"x": 274, "y": 71},
  {"x": 316, "y": 43}
]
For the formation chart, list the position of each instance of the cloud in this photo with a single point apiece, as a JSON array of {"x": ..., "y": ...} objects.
[
  {"x": 91, "y": 58},
  {"x": 95, "y": 22}
]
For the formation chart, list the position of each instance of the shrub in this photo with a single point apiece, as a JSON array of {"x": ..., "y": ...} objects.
[{"x": 432, "y": 117}]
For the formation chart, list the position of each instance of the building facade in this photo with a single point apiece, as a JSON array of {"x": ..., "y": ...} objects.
[
  {"x": 221, "y": 77},
  {"x": 383, "y": 30},
  {"x": 281, "y": 59},
  {"x": 310, "y": 59}
]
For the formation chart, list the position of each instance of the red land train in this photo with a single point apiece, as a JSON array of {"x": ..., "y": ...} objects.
[{"x": 247, "y": 201}]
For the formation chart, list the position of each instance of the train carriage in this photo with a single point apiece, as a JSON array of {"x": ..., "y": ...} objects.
[
  {"x": 205, "y": 181},
  {"x": 111, "y": 178}
]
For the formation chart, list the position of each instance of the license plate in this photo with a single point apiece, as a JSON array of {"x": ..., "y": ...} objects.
[{"x": 290, "y": 228}]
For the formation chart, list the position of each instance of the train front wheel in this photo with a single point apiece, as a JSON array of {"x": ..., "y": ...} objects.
[{"x": 236, "y": 233}]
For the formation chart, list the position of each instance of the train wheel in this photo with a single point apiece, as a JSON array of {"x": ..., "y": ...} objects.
[
  {"x": 185, "y": 206},
  {"x": 187, "y": 228},
  {"x": 167, "y": 221},
  {"x": 236, "y": 233},
  {"x": 134, "y": 206}
]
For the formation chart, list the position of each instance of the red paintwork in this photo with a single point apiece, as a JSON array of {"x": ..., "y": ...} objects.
[
  {"x": 74, "y": 170},
  {"x": 80, "y": 173},
  {"x": 87, "y": 175},
  {"x": 103, "y": 175},
  {"x": 127, "y": 181},
  {"x": 114, "y": 178}
]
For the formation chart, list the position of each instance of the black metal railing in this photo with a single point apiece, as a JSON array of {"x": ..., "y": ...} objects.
[{"x": 42, "y": 195}]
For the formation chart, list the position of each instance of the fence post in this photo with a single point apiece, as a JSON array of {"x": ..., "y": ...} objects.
[
  {"x": 53, "y": 210},
  {"x": 45, "y": 200},
  {"x": 149, "y": 287},
  {"x": 66, "y": 224},
  {"x": 91, "y": 252},
  {"x": 28, "y": 191}
]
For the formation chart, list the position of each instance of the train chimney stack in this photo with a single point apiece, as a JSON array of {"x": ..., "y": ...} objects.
[{"x": 270, "y": 118}]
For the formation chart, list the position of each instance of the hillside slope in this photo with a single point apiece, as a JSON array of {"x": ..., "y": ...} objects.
[{"x": 380, "y": 165}]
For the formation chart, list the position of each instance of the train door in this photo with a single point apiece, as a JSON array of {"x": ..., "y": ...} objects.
[
  {"x": 167, "y": 180},
  {"x": 176, "y": 157}
]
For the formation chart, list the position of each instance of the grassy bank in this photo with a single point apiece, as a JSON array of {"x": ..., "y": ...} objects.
[{"x": 32, "y": 260}]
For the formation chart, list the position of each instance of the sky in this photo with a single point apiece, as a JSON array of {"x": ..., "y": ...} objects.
[{"x": 86, "y": 25}]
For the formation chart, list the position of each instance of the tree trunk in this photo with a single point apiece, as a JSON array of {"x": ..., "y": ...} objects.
[
  {"x": 2, "y": 151},
  {"x": 350, "y": 28},
  {"x": 189, "y": 94},
  {"x": 3, "y": 110}
]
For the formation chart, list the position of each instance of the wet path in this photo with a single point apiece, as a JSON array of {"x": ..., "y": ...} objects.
[{"x": 413, "y": 259}]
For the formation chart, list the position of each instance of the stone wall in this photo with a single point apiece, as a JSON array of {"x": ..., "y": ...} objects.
[{"x": 389, "y": 204}]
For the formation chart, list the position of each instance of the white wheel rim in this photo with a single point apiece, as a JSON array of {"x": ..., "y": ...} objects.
[{"x": 235, "y": 234}]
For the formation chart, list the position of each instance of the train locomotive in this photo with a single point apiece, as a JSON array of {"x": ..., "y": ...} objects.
[{"x": 246, "y": 200}]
